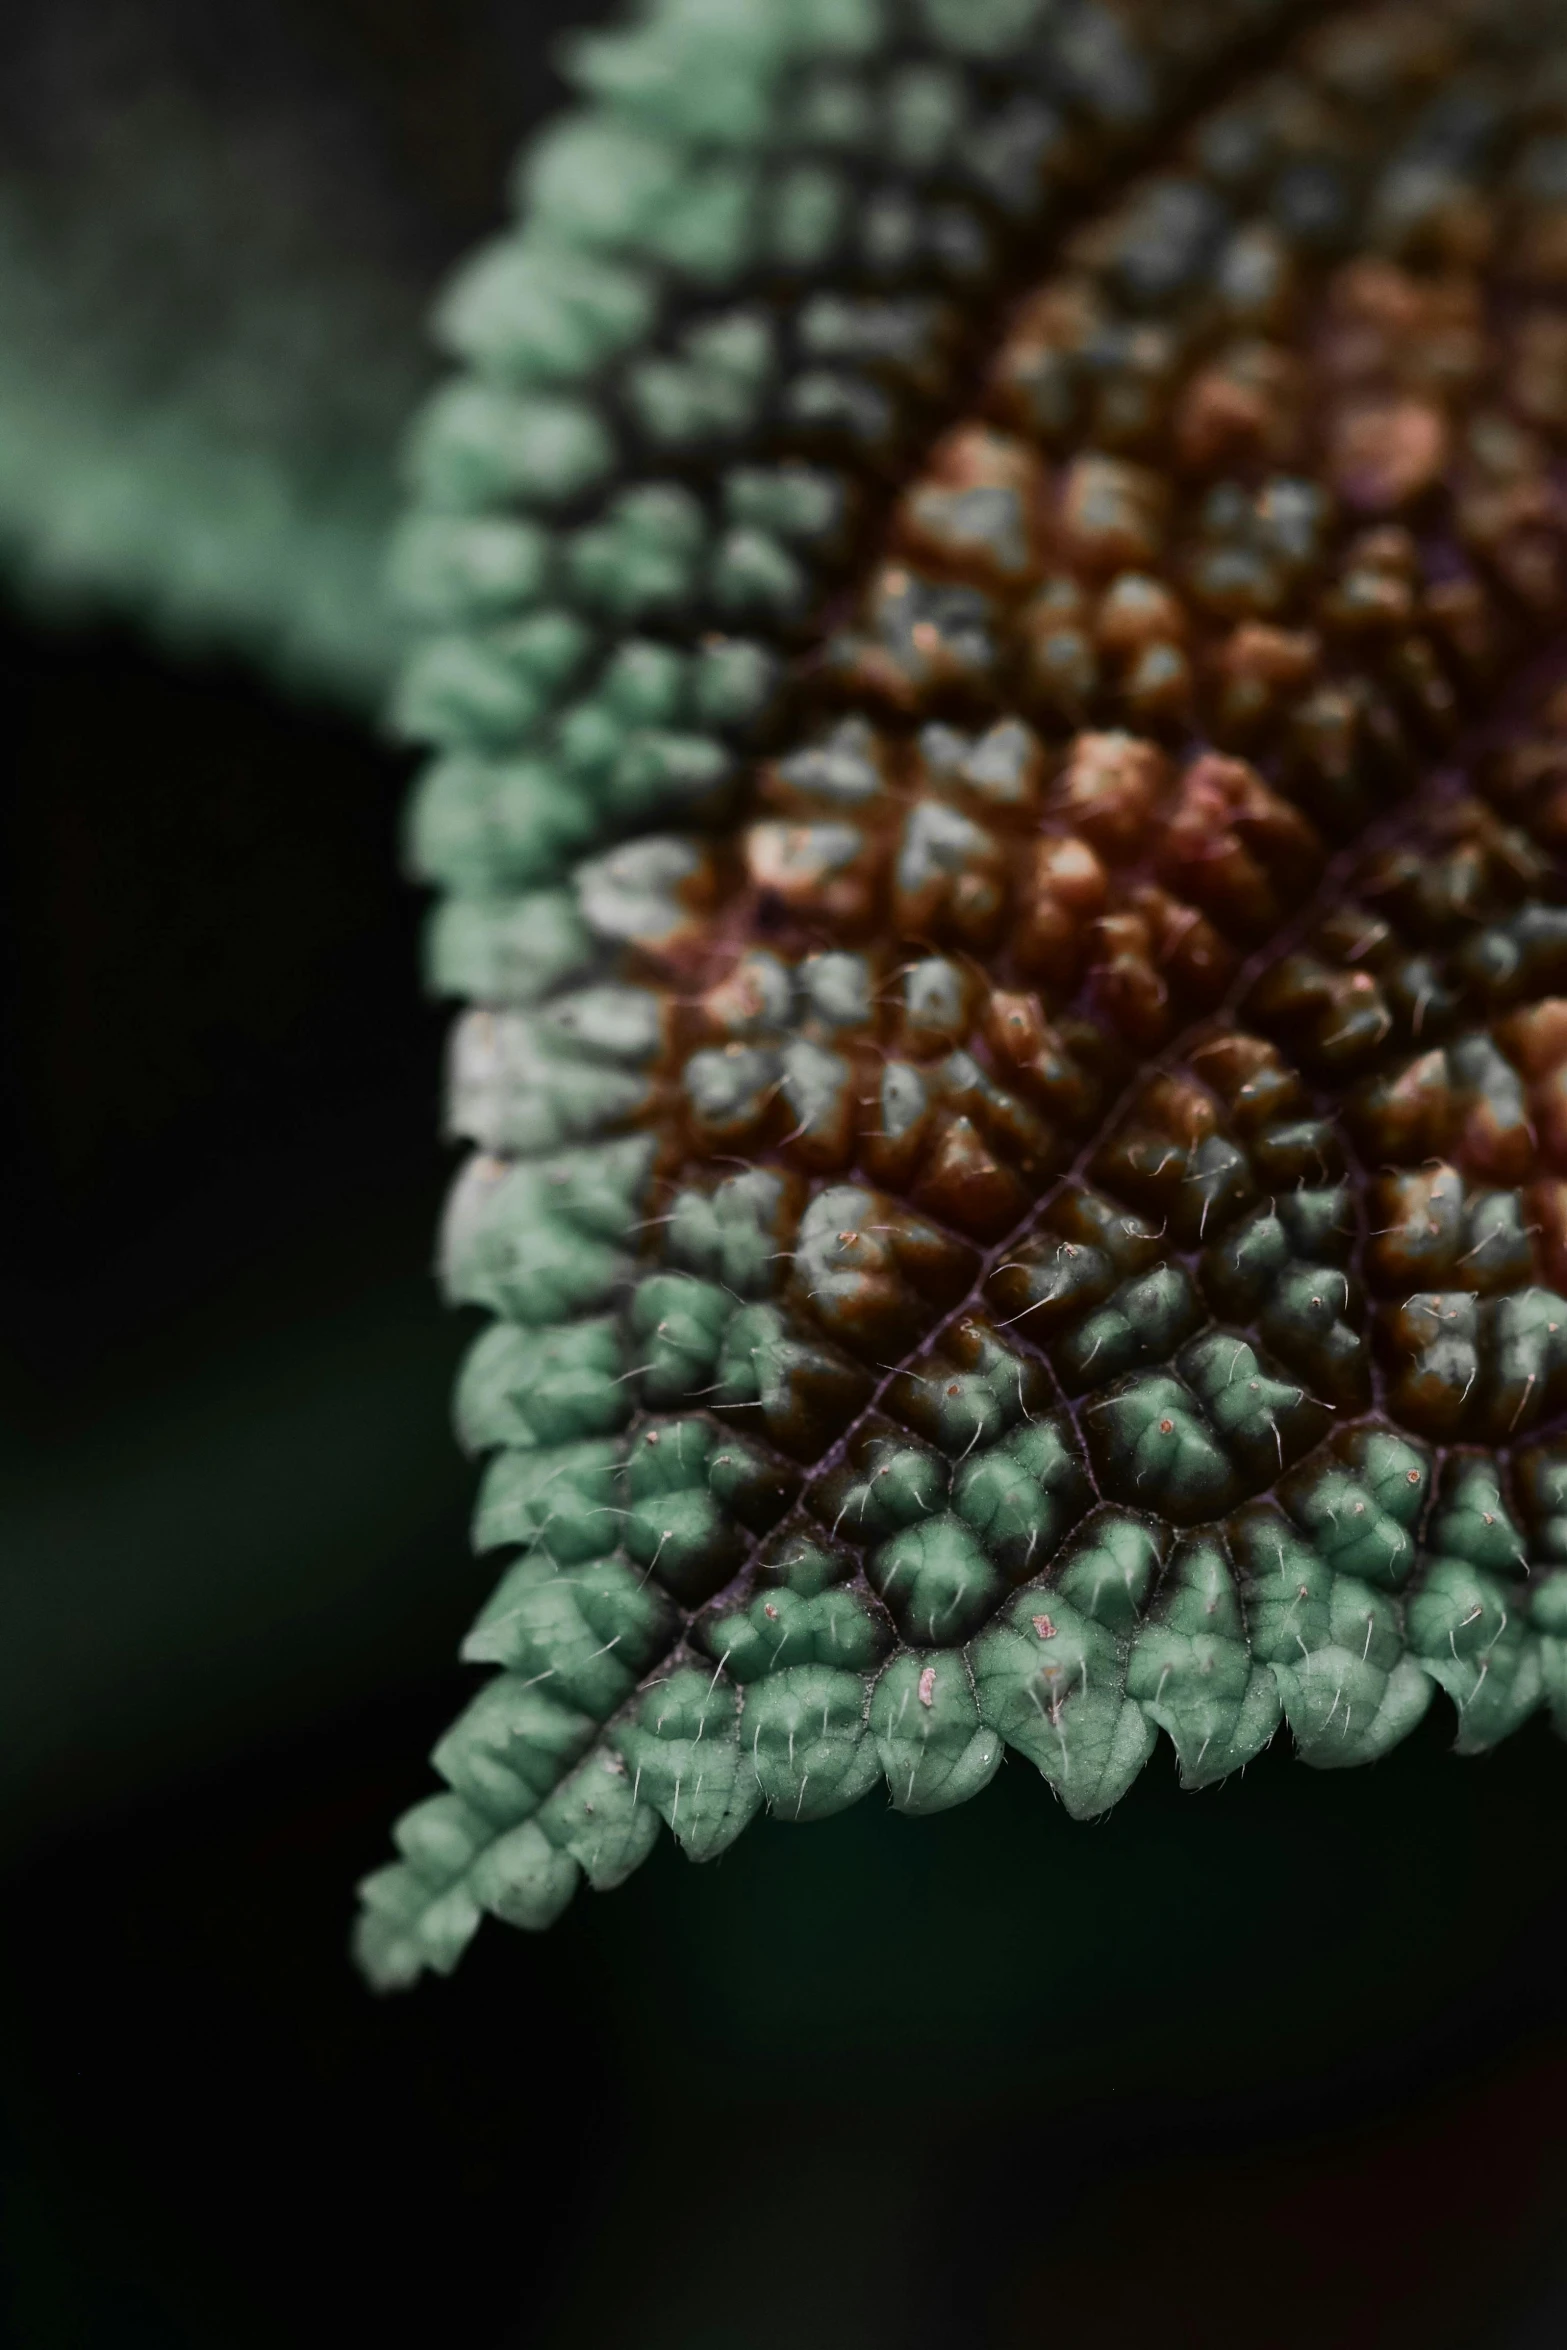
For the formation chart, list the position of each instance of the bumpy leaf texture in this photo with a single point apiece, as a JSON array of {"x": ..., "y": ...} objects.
[{"x": 1025, "y": 1204}]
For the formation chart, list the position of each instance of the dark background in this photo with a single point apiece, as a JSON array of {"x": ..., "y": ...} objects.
[{"x": 1283, "y": 2064}]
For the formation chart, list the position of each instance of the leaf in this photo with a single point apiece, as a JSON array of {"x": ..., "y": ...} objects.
[{"x": 1025, "y": 1215}]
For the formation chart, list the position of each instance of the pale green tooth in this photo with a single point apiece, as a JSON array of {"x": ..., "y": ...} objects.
[
  {"x": 517, "y": 1087},
  {"x": 527, "y": 311},
  {"x": 476, "y": 444},
  {"x": 452, "y": 568},
  {"x": 506, "y": 950}
]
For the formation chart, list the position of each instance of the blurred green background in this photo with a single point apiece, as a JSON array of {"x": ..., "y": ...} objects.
[
  {"x": 221, "y": 222},
  {"x": 1284, "y": 2063}
]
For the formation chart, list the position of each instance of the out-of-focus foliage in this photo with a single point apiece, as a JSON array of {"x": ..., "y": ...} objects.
[{"x": 219, "y": 230}]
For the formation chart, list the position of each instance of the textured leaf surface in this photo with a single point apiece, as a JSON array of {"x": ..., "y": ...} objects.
[{"x": 1033, "y": 1214}]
